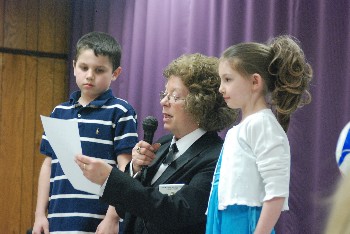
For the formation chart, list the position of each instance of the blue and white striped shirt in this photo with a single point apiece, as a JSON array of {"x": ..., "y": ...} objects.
[{"x": 107, "y": 128}]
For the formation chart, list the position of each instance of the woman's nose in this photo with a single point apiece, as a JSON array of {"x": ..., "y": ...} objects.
[{"x": 164, "y": 101}]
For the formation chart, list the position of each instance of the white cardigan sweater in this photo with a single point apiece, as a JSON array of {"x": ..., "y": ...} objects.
[{"x": 255, "y": 162}]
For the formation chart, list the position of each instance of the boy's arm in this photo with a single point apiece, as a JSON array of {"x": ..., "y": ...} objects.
[
  {"x": 123, "y": 160},
  {"x": 110, "y": 223},
  {"x": 41, "y": 223},
  {"x": 269, "y": 215}
]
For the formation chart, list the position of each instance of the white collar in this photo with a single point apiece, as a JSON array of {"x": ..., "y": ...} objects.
[{"x": 185, "y": 142}]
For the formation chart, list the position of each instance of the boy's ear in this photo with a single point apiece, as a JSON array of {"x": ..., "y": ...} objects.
[
  {"x": 74, "y": 63},
  {"x": 116, "y": 73}
]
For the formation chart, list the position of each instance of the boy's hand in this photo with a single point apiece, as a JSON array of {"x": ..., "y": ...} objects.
[
  {"x": 108, "y": 226},
  {"x": 95, "y": 170},
  {"x": 41, "y": 225}
]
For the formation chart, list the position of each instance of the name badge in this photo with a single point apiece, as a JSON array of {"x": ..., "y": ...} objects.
[{"x": 170, "y": 189}]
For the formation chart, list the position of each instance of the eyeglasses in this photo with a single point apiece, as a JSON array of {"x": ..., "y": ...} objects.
[{"x": 162, "y": 95}]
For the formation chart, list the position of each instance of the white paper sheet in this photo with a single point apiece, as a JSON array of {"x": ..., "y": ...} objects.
[{"x": 64, "y": 139}]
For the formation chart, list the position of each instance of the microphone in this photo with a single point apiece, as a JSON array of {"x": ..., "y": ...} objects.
[{"x": 149, "y": 125}]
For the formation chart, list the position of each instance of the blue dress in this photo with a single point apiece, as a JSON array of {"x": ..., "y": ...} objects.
[{"x": 240, "y": 219}]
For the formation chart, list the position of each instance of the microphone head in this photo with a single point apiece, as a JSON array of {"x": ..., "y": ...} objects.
[{"x": 150, "y": 124}]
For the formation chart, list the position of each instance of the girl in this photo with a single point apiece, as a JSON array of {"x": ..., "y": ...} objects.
[{"x": 251, "y": 181}]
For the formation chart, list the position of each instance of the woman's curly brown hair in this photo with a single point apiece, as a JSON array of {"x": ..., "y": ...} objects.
[{"x": 199, "y": 73}]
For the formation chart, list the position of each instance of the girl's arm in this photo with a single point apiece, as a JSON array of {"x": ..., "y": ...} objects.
[{"x": 269, "y": 215}]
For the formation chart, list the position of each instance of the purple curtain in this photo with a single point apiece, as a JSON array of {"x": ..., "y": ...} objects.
[{"x": 154, "y": 32}]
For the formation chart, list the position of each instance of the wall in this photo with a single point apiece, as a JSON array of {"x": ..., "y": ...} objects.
[{"x": 34, "y": 43}]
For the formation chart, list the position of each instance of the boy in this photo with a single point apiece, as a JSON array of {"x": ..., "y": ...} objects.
[{"x": 108, "y": 130}]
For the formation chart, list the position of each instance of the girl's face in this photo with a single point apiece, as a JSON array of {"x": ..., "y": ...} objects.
[
  {"x": 235, "y": 88},
  {"x": 93, "y": 74},
  {"x": 176, "y": 119}
]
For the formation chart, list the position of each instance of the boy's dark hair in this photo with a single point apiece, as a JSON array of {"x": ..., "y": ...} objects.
[{"x": 102, "y": 44}]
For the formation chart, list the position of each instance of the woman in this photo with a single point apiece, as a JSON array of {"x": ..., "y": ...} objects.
[{"x": 193, "y": 111}]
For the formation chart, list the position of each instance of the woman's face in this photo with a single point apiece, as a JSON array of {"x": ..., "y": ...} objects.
[{"x": 176, "y": 119}]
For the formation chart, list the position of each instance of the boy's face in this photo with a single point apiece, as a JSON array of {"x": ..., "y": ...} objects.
[{"x": 93, "y": 74}]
